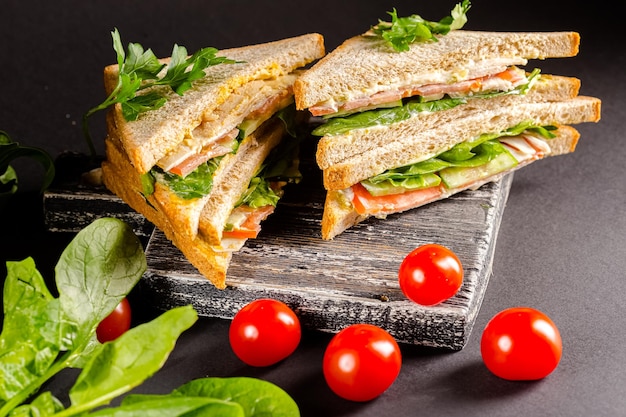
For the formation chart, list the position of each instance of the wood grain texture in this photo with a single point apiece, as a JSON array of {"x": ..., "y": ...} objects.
[
  {"x": 352, "y": 279},
  {"x": 69, "y": 209},
  {"x": 330, "y": 284}
]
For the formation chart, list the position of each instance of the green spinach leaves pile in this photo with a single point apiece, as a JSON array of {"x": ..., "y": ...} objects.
[{"x": 43, "y": 334}]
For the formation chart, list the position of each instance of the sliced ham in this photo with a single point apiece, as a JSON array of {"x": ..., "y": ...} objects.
[
  {"x": 503, "y": 81},
  {"x": 220, "y": 147}
]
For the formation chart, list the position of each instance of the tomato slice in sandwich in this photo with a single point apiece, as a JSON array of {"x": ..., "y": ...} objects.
[
  {"x": 365, "y": 203},
  {"x": 250, "y": 227}
]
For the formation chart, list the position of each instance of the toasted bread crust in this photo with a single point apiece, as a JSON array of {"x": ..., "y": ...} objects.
[
  {"x": 235, "y": 179},
  {"x": 157, "y": 132},
  {"x": 356, "y": 67},
  {"x": 411, "y": 145},
  {"x": 332, "y": 150},
  {"x": 119, "y": 177},
  {"x": 339, "y": 215},
  {"x": 173, "y": 215}
]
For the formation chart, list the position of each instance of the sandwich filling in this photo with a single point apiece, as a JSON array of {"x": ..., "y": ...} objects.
[
  {"x": 502, "y": 81},
  {"x": 188, "y": 171},
  {"x": 408, "y": 108},
  {"x": 465, "y": 166},
  {"x": 222, "y": 129},
  {"x": 260, "y": 199}
]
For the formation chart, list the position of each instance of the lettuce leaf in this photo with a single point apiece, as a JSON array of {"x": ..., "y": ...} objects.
[
  {"x": 389, "y": 116},
  {"x": 403, "y": 31},
  {"x": 473, "y": 153},
  {"x": 281, "y": 165},
  {"x": 195, "y": 185},
  {"x": 384, "y": 117}
]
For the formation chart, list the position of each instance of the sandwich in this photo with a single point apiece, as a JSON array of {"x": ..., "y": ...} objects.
[
  {"x": 208, "y": 165},
  {"x": 403, "y": 126}
]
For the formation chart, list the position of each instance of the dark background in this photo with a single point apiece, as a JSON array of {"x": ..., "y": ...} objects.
[{"x": 562, "y": 241}]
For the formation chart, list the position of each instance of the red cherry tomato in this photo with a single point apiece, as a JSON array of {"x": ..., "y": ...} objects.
[
  {"x": 264, "y": 332},
  {"x": 361, "y": 362},
  {"x": 521, "y": 343},
  {"x": 430, "y": 274},
  {"x": 115, "y": 324}
]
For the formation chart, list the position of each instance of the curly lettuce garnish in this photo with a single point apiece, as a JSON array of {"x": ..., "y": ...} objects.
[
  {"x": 403, "y": 31},
  {"x": 140, "y": 69}
]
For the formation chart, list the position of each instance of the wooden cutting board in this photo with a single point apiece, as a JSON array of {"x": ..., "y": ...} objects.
[{"x": 330, "y": 284}]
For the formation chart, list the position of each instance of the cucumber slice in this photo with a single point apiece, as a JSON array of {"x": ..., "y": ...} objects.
[
  {"x": 457, "y": 177},
  {"x": 248, "y": 126},
  {"x": 387, "y": 187}
]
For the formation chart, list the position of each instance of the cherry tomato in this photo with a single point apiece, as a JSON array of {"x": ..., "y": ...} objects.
[
  {"x": 361, "y": 362},
  {"x": 521, "y": 343},
  {"x": 264, "y": 332},
  {"x": 430, "y": 274},
  {"x": 115, "y": 324}
]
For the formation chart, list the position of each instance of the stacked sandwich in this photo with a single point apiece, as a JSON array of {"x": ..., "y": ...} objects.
[
  {"x": 402, "y": 128},
  {"x": 207, "y": 166}
]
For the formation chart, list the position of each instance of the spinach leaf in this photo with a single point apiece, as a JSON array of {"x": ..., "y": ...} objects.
[
  {"x": 30, "y": 340},
  {"x": 96, "y": 271},
  {"x": 44, "y": 405},
  {"x": 126, "y": 362},
  {"x": 42, "y": 335},
  {"x": 257, "y": 397},
  {"x": 171, "y": 406}
]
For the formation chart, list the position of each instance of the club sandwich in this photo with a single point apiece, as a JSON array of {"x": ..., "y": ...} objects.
[
  {"x": 207, "y": 166},
  {"x": 400, "y": 129}
]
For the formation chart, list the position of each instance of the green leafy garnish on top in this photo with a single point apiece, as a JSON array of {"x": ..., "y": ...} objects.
[
  {"x": 140, "y": 69},
  {"x": 403, "y": 31}
]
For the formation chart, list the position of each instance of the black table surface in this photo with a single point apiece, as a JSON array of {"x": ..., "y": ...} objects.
[{"x": 561, "y": 246}]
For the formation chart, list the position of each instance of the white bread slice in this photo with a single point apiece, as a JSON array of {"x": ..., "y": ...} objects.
[
  {"x": 122, "y": 179},
  {"x": 236, "y": 178},
  {"x": 158, "y": 132},
  {"x": 255, "y": 99},
  {"x": 186, "y": 213},
  {"x": 339, "y": 214},
  {"x": 407, "y": 144},
  {"x": 363, "y": 66},
  {"x": 332, "y": 150},
  {"x": 208, "y": 214}
]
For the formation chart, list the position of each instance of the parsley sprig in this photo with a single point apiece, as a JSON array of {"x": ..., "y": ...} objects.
[
  {"x": 140, "y": 69},
  {"x": 403, "y": 31}
]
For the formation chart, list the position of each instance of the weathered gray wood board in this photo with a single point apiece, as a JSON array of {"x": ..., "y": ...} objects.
[
  {"x": 69, "y": 209},
  {"x": 352, "y": 279},
  {"x": 330, "y": 284}
]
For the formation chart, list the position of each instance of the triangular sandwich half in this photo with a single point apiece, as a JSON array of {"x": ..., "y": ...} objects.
[{"x": 198, "y": 166}]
